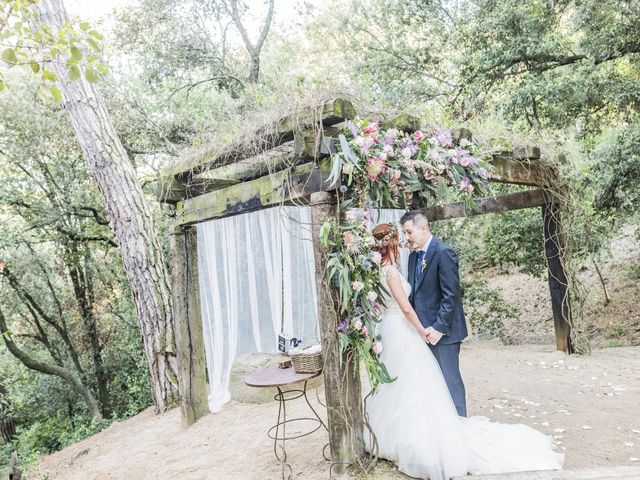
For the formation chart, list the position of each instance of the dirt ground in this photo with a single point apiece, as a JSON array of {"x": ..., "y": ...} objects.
[{"x": 589, "y": 404}]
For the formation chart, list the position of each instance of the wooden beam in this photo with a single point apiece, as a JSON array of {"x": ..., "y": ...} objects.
[
  {"x": 270, "y": 136},
  {"x": 482, "y": 206},
  {"x": 188, "y": 326},
  {"x": 271, "y": 161},
  {"x": 294, "y": 185},
  {"x": 509, "y": 169},
  {"x": 341, "y": 373},
  {"x": 558, "y": 283}
]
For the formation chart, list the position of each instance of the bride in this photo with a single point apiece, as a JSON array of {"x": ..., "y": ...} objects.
[{"x": 414, "y": 419}]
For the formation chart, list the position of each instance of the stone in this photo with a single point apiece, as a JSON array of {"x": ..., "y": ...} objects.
[{"x": 245, "y": 365}]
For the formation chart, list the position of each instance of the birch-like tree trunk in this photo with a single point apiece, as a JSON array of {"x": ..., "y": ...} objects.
[{"x": 129, "y": 213}]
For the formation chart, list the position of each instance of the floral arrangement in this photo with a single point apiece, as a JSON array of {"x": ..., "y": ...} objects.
[{"x": 378, "y": 167}]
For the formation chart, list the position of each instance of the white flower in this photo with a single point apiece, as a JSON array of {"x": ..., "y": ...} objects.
[
  {"x": 372, "y": 296},
  {"x": 377, "y": 348},
  {"x": 357, "y": 286},
  {"x": 351, "y": 215},
  {"x": 406, "y": 152},
  {"x": 358, "y": 325},
  {"x": 359, "y": 141},
  {"x": 388, "y": 149},
  {"x": 376, "y": 258},
  {"x": 347, "y": 169}
]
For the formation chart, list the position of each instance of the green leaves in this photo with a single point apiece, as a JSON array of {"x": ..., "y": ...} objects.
[
  {"x": 91, "y": 75},
  {"x": 33, "y": 43},
  {"x": 9, "y": 56}
]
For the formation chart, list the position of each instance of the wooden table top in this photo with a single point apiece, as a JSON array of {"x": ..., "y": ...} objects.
[{"x": 277, "y": 377}]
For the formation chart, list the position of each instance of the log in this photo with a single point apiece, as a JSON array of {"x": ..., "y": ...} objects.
[
  {"x": 482, "y": 206},
  {"x": 16, "y": 472},
  {"x": 558, "y": 284},
  {"x": 271, "y": 161},
  {"x": 7, "y": 429},
  {"x": 509, "y": 169},
  {"x": 188, "y": 326},
  {"x": 285, "y": 187},
  {"x": 341, "y": 374},
  {"x": 270, "y": 136}
]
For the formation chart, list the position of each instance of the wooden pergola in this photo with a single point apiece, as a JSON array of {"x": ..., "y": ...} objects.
[{"x": 291, "y": 167}]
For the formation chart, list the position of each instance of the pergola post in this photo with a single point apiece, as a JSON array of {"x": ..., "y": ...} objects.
[
  {"x": 341, "y": 375},
  {"x": 558, "y": 284},
  {"x": 188, "y": 325}
]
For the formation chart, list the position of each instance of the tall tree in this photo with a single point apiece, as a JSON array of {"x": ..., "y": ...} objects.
[
  {"x": 129, "y": 213},
  {"x": 254, "y": 49}
]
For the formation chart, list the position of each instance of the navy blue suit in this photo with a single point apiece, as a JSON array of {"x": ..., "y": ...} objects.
[{"x": 437, "y": 299}]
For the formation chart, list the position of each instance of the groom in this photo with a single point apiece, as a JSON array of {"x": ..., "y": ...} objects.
[{"x": 436, "y": 298}]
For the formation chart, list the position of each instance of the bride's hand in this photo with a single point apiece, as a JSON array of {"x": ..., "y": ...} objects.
[{"x": 424, "y": 333}]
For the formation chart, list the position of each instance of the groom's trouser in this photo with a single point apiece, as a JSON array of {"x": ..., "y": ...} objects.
[{"x": 448, "y": 357}]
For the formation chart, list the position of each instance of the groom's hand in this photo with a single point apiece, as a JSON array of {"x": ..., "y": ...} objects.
[{"x": 433, "y": 336}]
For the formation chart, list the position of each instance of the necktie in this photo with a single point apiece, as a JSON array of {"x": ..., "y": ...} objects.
[{"x": 421, "y": 254}]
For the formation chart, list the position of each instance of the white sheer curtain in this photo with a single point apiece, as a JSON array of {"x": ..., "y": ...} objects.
[{"x": 256, "y": 280}]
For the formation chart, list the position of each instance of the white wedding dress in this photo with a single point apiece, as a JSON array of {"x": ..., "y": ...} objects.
[{"x": 416, "y": 424}]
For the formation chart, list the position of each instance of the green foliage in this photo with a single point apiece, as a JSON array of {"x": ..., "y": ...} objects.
[
  {"x": 616, "y": 175},
  {"x": 28, "y": 41},
  {"x": 486, "y": 310},
  {"x": 54, "y": 224},
  {"x": 516, "y": 238}
]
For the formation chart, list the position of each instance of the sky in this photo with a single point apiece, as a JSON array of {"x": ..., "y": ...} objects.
[{"x": 93, "y": 9}]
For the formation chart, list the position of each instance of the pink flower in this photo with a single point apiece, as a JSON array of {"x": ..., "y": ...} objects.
[
  {"x": 377, "y": 348},
  {"x": 464, "y": 143},
  {"x": 371, "y": 128},
  {"x": 365, "y": 331},
  {"x": 419, "y": 135},
  {"x": 372, "y": 296},
  {"x": 428, "y": 174},
  {"x": 375, "y": 167},
  {"x": 388, "y": 149},
  {"x": 351, "y": 215},
  {"x": 465, "y": 186},
  {"x": 464, "y": 160},
  {"x": 357, "y": 286},
  {"x": 349, "y": 238}
]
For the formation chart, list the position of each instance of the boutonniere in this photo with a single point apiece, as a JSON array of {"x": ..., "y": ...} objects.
[{"x": 423, "y": 265}]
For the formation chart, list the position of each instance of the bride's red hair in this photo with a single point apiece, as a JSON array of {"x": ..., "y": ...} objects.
[{"x": 388, "y": 241}]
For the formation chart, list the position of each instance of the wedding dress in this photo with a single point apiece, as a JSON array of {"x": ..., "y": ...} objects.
[{"x": 416, "y": 424}]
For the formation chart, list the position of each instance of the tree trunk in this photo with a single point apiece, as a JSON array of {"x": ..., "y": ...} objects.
[
  {"x": 254, "y": 74},
  {"x": 129, "y": 214},
  {"x": 83, "y": 290},
  {"x": 341, "y": 373},
  {"x": 39, "y": 366}
]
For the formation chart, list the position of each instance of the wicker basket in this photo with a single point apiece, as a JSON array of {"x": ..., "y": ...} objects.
[{"x": 307, "y": 362}]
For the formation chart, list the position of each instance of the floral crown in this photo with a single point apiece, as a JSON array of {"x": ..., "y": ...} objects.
[{"x": 384, "y": 240}]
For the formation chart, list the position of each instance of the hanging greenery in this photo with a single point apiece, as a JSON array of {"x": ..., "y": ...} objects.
[{"x": 389, "y": 168}]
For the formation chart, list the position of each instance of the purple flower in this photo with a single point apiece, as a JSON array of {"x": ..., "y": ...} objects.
[
  {"x": 343, "y": 326},
  {"x": 443, "y": 137}
]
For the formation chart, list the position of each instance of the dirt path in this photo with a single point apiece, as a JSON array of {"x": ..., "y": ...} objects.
[{"x": 591, "y": 404}]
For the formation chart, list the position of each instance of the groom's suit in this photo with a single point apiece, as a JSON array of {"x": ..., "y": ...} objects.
[{"x": 437, "y": 300}]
